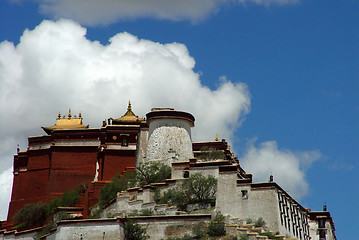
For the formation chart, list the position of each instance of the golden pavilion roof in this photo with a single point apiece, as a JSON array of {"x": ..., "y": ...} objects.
[
  {"x": 71, "y": 122},
  {"x": 128, "y": 118}
]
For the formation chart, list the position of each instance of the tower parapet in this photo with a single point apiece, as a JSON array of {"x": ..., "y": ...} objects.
[{"x": 169, "y": 137}]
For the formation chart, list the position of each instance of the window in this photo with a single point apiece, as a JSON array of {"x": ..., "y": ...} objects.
[
  {"x": 124, "y": 139},
  {"x": 244, "y": 194},
  {"x": 185, "y": 174},
  {"x": 124, "y": 142},
  {"x": 321, "y": 223},
  {"x": 322, "y": 235}
]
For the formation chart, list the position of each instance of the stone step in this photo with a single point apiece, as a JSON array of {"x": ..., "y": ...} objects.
[
  {"x": 248, "y": 225},
  {"x": 243, "y": 230},
  {"x": 261, "y": 237}
]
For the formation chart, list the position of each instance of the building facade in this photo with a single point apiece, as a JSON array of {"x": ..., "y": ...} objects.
[{"x": 72, "y": 153}]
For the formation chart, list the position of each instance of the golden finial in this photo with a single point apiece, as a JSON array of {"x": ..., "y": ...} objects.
[
  {"x": 216, "y": 139},
  {"x": 129, "y": 108},
  {"x": 59, "y": 116},
  {"x": 232, "y": 154},
  {"x": 80, "y": 116},
  {"x": 69, "y": 113},
  {"x": 228, "y": 148}
]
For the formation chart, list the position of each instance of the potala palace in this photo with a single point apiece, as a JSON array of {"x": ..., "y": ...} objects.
[{"x": 71, "y": 154}]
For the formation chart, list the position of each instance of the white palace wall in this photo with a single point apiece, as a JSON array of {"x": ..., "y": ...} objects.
[{"x": 169, "y": 139}]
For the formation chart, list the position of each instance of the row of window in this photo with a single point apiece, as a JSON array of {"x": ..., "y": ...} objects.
[{"x": 293, "y": 218}]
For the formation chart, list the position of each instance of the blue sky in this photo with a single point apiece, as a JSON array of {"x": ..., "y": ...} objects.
[{"x": 296, "y": 61}]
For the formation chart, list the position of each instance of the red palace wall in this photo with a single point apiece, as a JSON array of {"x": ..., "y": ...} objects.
[
  {"x": 117, "y": 162},
  {"x": 50, "y": 167},
  {"x": 70, "y": 167},
  {"x": 28, "y": 187}
]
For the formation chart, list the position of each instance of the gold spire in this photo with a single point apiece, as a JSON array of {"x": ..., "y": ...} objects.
[
  {"x": 216, "y": 139},
  {"x": 228, "y": 148},
  {"x": 66, "y": 123},
  {"x": 128, "y": 118}
]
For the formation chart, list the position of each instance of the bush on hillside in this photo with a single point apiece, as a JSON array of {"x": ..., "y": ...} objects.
[
  {"x": 199, "y": 189},
  {"x": 146, "y": 173},
  {"x": 134, "y": 231},
  {"x": 118, "y": 184},
  {"x": 259, "y": 222},
  {"x": 152, "y": 172},
  {"x": 216, "y": 227},
  {"x": 31, "y": 215},
  {"x": 69, "y": 198},
  {"x": 195, "y": 189}
]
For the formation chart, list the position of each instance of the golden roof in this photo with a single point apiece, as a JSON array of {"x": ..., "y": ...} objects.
[
  {"x": 66, "y": 123},
  {"x": 128, "y": 118}
]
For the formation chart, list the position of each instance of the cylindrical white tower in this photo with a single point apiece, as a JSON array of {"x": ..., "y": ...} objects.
[{"x": 169, "y": 135}]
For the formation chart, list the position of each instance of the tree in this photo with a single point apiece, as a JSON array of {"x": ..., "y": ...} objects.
[
  {"x": 195, "y": 189},
  {"x": 69, "y": 198},
  {"x": 31, "y": 215},
  {"x": 199, "y": 189},
  {"x": 152, "y": 172},
  {"x": 118, "y": 184},
  {"x": 216, "y": 227},
  {"x": 134, "y": 231}
]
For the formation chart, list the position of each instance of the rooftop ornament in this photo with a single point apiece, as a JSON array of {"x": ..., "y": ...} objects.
[
  {"x": 129, "y": 118},
  {"x": 71, "y": 122}
]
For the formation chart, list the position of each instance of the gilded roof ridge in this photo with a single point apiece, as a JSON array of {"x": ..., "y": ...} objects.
[
  {"x": 128, "y": 118},
  {"x": 71, "y": 122}
]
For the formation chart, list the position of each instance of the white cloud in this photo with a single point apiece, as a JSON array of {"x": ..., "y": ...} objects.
[
  {"x": 55, "y": 67},
  {"x": 94, "y": 12},
  {"x": 287, "y": 167},
  {"x": 5, "y": 191}
]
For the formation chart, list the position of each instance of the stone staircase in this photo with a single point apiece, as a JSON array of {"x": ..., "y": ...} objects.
[
  {"x": 139, "y": 202},
  {"x": 239, "y": 227},
  {"x": 135, "y": 203}
]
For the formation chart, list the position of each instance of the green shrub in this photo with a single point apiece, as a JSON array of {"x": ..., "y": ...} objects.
[
  {"x": 152, "y": 172},
  {"x": 69, "y": 198},
  {"x": 195, "y": 189},
  {"x": 243, "y": 237},
  {"x": 249, "y": 220},
  {"x": 37, "y": 214},
  {"x": 173, "y": 197},
  {"x": 259, "y": 222},
  {"x": 82, "y": 188},
  {"x": 51, "y": 207},
  {"x": 199, "y": 189},
  {"x": 31, "y": 215},
  {"x": 95, "y": 211},
  {"x": 118, "y": 184},
  {"x": 216, "y": 227},
  {"x": 146, "y": 212},
  {"x": 270, "y": 235},
  {"x": 134, "y": 231},
  {"x": 46, "y": 230},
  {"x": 198, "y": 231}
]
